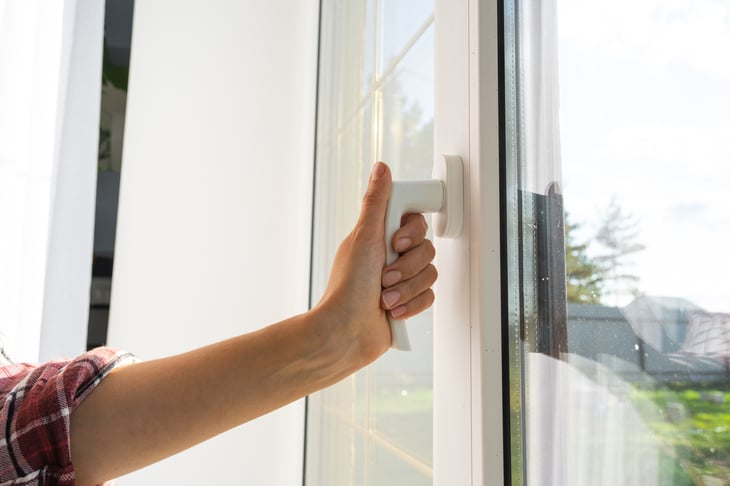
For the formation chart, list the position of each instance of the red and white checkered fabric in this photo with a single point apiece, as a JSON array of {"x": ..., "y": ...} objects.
[{"x": 37, "y": 401}]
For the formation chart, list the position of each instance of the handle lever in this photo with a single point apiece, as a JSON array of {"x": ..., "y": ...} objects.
[{"x": 443, "y": 195}]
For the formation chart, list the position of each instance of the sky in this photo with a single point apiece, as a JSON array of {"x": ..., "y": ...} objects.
[{"x": 645, "y": 118}]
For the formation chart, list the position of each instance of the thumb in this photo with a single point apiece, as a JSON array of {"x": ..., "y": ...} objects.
[{"x": 375, "y": 201}]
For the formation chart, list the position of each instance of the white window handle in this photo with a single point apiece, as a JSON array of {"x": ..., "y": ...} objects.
[{"x": 443, "y": 195}]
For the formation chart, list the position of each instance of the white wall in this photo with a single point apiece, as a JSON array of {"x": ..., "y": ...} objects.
[{"x": 214, "y": 213}]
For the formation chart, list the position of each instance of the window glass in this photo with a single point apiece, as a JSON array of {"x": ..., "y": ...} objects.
[
  {"x": 374, "y": 428},
  {"x": 401, "y": 23},
  {"x": 617, "y": 165}
]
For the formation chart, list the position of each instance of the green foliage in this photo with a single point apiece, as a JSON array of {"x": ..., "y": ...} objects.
[
  {"x": 596, "y": 274},
  {"x": 117, "y": 76},
  {"x": 697, "y": 442},
  {"x": 407, "y": 133},
  {"x": 617, "y": 234},
  {"x": 584, "y": 277}
]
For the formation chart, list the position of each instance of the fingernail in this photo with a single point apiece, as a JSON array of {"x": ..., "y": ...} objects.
[
  {"x": 402, "y": 244},
  {"x": 390, "y": 298},
  {"x": 398, "y": 311},
  {"x": 378, "y": 171},
  {"x": 391, "y": 277}
]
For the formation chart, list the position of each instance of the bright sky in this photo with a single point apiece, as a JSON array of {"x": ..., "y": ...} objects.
[{"x": 645, "y": 116}]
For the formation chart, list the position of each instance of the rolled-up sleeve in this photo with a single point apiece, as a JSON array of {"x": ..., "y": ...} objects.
[{"x": 37, "y": 401}]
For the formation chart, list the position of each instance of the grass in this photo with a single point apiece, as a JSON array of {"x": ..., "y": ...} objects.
[
  {"x": 694, "y": 428},
  {"x": 692, "y": 425}
]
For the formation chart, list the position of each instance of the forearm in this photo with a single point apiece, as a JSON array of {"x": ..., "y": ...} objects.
[
  {"x": 151, "y": 410},
  {"x": 145, "y": 412}
]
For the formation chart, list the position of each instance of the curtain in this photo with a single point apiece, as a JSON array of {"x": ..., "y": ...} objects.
[
  {"x": 50, "y": 75},
  {"x": 573, "y": 422}
]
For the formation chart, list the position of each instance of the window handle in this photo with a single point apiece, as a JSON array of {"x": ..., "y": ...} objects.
[{"x": 443, "y": 195}]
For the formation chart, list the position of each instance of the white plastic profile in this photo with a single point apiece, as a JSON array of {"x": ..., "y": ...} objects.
[{"x": 443, "y": 195}]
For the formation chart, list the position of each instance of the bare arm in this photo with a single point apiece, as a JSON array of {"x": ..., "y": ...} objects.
[{"x": 145, "y": 412}]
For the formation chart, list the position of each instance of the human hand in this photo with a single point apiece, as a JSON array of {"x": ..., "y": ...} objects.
[
  {"x": 220, "y": 386},
  {"x": 361, "y": 290}
]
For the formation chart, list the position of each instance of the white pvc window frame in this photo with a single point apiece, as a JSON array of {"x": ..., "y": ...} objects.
[
  {"x": 469, "y": 446},
  {"x": 468, "y": 378}
]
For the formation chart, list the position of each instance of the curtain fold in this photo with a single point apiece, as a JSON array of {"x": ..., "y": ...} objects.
[{"x": 50, "y": 75}]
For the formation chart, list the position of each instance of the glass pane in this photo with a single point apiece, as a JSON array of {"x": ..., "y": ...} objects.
[
  {"x": 402, "y": 394},
  {"x": 402, "y": 22},
  {"x": 407, "y": 100},
  {"x": 616, "y": 117},
  {"x": 374, "y": 428}
]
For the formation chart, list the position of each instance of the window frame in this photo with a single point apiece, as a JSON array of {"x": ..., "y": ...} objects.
[
  {"x": 469, "y": 403},
  {"x": 469, "y": 388}
]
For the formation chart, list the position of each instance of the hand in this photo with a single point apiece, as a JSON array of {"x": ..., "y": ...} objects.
[
  {"x": 407, "y": 281},
  {"x": 360, "y": 290},
  {"x": 218, "y": 387}
]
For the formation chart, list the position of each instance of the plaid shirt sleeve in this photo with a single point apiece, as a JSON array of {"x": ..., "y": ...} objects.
[{"x": 37, "y": 401}]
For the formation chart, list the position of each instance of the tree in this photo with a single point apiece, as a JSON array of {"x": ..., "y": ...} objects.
[
  {"x": 583, "y": 275},
  {"x": 617, "y": 234}
]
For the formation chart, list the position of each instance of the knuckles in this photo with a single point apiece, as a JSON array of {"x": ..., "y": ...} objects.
[
  {"x": 425, "y": 253},
  {"x": 416, "y": 260},
  {"x": 430, "y": 249},
  {"x": 414, "y": 226},
  {"x": 433, "y": 273},
  {"x": 420, "y": 303}
]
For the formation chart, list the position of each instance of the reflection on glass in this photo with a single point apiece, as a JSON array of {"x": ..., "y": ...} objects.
[
  {"x": 401, "y": 22},
  {"x": 407, "y": 104},
  {"x": 374, "y": 428},
  {"x": 402, "y": 398},
  {"x": 616, "y": 181}
]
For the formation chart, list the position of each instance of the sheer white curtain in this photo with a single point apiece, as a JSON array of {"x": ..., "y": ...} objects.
[
  {"x": 581, "y": 426},
  {"x": 50, "y": 75},
  {"x": 539, "y": 93}
]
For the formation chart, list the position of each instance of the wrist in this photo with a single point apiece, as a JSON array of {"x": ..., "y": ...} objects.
[{"x": 350, "y": 342}]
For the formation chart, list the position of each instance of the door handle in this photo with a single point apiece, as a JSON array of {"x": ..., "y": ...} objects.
[{"x": 443, "y": 195}]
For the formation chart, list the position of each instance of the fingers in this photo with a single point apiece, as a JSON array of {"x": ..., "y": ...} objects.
[
  {"x": 408, "y": 280},
  {"x": 410, "y": 296},
  {"x": 409, "y": 264},
  {"x": 412, "y": 268},
  {"x": 411, "y": 233}
]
